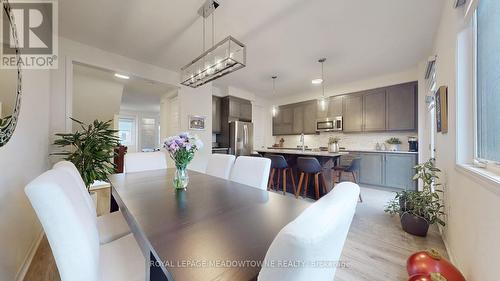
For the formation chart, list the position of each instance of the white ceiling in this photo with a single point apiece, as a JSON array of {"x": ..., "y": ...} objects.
[
  {"x": 138, "y": 94},
  {"x": 360, "y": 38}
]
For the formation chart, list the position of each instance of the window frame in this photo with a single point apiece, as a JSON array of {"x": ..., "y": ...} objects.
[{"x": 490, "y": 165}]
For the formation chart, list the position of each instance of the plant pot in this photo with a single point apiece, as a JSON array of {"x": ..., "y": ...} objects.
[
  {"x": 415, "y": 225},
  {"x": 333, "y": 147},
  {"x": 93, "y": 195},
  {"x": 394, "y": 147}
]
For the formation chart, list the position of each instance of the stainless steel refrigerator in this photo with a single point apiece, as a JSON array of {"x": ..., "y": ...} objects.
[{"x": 240, "y": 138}]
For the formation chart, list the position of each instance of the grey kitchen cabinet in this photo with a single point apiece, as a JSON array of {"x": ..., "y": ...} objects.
[
  {"x": 283, "y": 121},
  {"x": 335, "y": 106},
  {"x": 246, "y": 111},
  {"x": 216, "y": 115},
  {"x": 353, "y": 113},
  {"x": 374, "y": 111},
  {"x": 402, "y": 107},
  {"x": 309, "y": 120},
  {"x": 371, "y": 170},
  {"x": 399, "y": 171},
  {"x": 298, "y": 120},
  {"x": 239, "y": 109},
  {"x": 393, "y": 170}
]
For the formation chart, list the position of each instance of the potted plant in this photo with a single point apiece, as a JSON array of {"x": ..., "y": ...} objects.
[
  {"x": 181, "y": 149},
  {"x": 333, "y": 144},
  {"x": 394, "y": 144},
  {"x": 91, "y": 149},
  {"x": 419, "y": 209}
]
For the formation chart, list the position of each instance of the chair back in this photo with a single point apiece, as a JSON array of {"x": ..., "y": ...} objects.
[
  {"x": 68, "y": 225},
  {"x": 355, "y": 165},
  {"x": 309, "y": 165},
  {"x": 278, "y": 161},
  {"x": 219, "y": 165},
  {"x": 317, "y": 235},
  {"x": 252, "y": 171},
  {"x": 145, "y": 161},
  {"x": 79, "y": 184}
]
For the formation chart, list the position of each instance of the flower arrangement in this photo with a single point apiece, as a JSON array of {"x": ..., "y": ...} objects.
[
  {"x": 333, "y": 140},
  {"x": 181, "y": 149}
]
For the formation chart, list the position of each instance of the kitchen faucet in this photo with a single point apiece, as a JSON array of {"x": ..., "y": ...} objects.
[{"x": 302, "y": 142}]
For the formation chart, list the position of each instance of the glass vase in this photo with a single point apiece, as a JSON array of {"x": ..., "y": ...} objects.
[{"x": 181, "y": 178}]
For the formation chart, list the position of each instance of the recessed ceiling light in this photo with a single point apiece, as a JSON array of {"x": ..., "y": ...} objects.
[
  {"x": 121, "y": 76},
  {"x": 317, "y": 81}
]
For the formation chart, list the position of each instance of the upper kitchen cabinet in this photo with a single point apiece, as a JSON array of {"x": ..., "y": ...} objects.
[
  {"x": 402, "y": 107},
  {"x": 239, "y": 109},
  {"x": 333, "y": 108},
  {"x": 374, "y": 111},
  {"x": 216, "y": 114},
  {"x": 295, "y": 119},
  {"x": 353, "y": 113}
]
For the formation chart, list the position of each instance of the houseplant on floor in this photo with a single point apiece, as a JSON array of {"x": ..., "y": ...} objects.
[
  {"x": 91, "y": 149},
  {"x": 419, "y": 209},
  {"x": 181, "y": 149},
  {"x": 394, "y": 144}
]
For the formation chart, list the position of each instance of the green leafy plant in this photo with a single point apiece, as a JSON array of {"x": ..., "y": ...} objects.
[
  {"x": 333, "y": 140},
  {"x": 393, "y": 141},
  {"x": 91, "y": 149},
  {"x": 426, "y": 203}
]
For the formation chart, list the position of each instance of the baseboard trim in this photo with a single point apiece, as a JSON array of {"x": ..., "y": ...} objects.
[
  {"x": 450, "y": 256},
  {"x": 21, "y": 273}
]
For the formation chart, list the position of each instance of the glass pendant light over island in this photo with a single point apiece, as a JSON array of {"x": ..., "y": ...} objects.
[{"x": 275, "y": 108}]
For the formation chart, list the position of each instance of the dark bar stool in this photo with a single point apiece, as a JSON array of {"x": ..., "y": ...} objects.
[
  {"x": 310, "y": 166},
  {"x": 352, "y": 170},
  {"x": 279, "y": 165}
]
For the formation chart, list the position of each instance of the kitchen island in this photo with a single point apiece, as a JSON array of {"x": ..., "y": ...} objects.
[{"x": 392, "y": 170}]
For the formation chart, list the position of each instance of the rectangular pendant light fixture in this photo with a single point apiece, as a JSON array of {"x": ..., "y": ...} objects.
[{"x": 223, "y": 58}]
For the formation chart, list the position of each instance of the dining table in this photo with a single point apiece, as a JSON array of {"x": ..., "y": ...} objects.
[{"x": 215, "y": 229}]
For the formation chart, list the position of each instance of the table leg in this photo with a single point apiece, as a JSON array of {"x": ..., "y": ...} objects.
[{"x": 155, "y": 271}]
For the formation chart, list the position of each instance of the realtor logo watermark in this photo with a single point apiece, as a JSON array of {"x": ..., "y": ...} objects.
[{"x": 36, "y": 26}]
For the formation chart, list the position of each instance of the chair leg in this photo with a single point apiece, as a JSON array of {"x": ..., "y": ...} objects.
[
  {"x": 293, "y": 180},
  {"x": 325, "y": 190},
  {"x": 356, "y": 181},
  {"x": 306, "y": 185},
  {"x": 316, "y": 185},
  {"x": 300, "y": 185},
  {"x": 271, "y": 179},
  {"x": 277, "y": 187},
  {"x": 284, "y": 181}
]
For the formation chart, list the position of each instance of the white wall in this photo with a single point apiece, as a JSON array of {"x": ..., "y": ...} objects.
[
  {"x": 21, "y": 160},
  {"x": 197, "y": 102},
  {"x": 62, "y": 78},
  {"x": 472, "y": 204},
  {"x": 95, "y": 98}
]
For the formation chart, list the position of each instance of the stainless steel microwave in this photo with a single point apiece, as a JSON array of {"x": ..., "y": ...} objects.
[{"x": 329, "y": 124}]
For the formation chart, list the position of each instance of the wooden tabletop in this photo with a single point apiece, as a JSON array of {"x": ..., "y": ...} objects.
[{"x": 201, "y": 233}]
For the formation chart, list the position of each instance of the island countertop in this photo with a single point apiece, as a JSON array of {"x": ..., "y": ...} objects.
[
  {"x": 300, "y": 152},
  {"x": 326, "y": 153}
]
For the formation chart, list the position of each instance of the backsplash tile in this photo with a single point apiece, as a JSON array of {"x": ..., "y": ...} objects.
[{"x": 349, "y": 141}]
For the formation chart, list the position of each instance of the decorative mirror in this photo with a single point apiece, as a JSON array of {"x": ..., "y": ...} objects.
[{"x": 10, "y": 79}]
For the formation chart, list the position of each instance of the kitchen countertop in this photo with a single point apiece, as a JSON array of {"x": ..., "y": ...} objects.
[
  {"x": 300, "y": 152},
  {"x": 326, "y": 153}
]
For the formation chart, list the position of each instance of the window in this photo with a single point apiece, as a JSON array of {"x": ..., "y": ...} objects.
[
  {"x": 126, "y": 131},
  {"x": 487, "y": 25}
]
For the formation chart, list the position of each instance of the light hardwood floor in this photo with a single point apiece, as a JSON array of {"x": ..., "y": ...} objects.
[{"x": 376, "y": 248}]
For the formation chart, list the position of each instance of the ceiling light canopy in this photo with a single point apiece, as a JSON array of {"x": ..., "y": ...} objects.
[
  {"x": 221, "y": 59},
  {"x": 122, "y": 76}
]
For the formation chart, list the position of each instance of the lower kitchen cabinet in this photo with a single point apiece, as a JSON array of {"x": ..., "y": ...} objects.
[{"x": 388, "y": 170}]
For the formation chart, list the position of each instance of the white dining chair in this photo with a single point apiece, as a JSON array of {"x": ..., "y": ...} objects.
[
  {"x": 73, "y": 236},
  {"x": 314, "y": 240},
  {"x": 110, "y": 226},
  {"x": 145, "y": 161},
  {"x": 219, "y": 165},
  {"x": 252, "y": 171}
]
